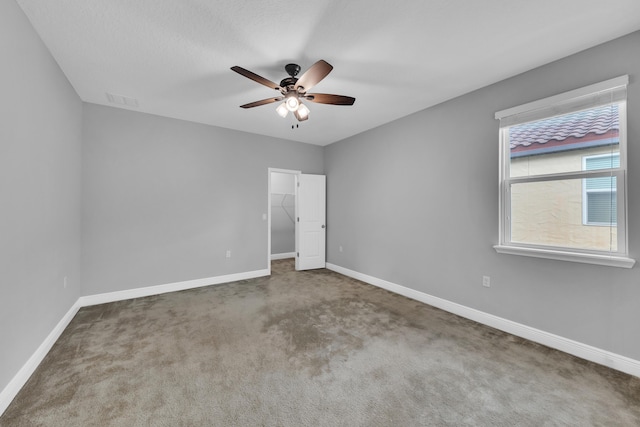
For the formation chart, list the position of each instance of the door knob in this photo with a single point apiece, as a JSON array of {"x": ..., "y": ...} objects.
[{"x": 322, "y": 225}]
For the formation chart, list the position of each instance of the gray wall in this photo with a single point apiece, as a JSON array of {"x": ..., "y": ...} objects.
[
  {"x": 164, "y": 199},
  {"x": 415, "y": 202},
  {"x": 40, "y": 144}
]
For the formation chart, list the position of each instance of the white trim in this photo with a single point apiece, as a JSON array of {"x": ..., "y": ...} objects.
[
  {"x": 563, "y": 97},
  {"x": 562, "y": 255},
  {"x": 170, "y": 287},
  {"x": 20, "y": 379},
  {"x": 584, "y": 351},
  {"x": 283, "y": 255}
]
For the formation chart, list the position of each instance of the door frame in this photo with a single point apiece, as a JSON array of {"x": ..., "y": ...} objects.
[{"x": 288, "y": 171}]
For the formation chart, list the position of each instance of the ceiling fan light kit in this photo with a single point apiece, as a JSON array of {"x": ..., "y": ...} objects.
[
  {"x": 282, "y": 110},
  {"x": 302, "y": 113},
  {"x": 291, "y": 101},
  {"x": 293, "y": 90}
]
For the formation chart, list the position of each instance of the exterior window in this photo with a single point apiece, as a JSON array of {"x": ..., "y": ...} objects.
[
  {"x": 600, "y": 194},
  {"x": 562, "y": 176}
]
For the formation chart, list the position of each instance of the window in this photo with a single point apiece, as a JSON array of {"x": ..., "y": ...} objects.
[{"x": 562, "y": 176}]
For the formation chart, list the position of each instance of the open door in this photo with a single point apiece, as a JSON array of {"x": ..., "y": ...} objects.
[{"x": 310, "y": 221}]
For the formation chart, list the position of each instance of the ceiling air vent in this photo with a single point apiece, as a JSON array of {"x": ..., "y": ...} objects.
[{"x": 122, "y": 100}]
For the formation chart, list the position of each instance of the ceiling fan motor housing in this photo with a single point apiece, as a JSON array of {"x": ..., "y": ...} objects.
[
  {"x": 289, "y": 82},
  {"x": 292, "y": 69}
]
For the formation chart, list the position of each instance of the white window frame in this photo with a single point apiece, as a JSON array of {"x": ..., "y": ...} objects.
[
  {"x": 603, "y": 93},
  {"x": 585, "y": 192}
]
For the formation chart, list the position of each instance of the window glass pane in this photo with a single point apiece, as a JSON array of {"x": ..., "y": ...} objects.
[
  {"x": 558, "y": 144},
  {"x": 550, "y": 213}
]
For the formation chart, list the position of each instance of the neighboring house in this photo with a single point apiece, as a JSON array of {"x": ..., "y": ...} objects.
[{"x": 579, "y": 213}]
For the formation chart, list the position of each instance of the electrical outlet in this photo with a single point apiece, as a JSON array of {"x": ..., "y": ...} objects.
[
  {"x": 228, "y": 253},
  {"x": 340, "y": 248},
  {"x": 486, "y": 281},
  {"x": 64, "y": 282}
]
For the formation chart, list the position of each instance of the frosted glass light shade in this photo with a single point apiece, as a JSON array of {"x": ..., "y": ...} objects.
[
  {"x": 302, "y": 113},
  {"x": 282, "y": 110}
]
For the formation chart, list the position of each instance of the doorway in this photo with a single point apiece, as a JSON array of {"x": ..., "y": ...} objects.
[
  {"x": 296, "y": 218},
  {"x": 281, "y": 214}
]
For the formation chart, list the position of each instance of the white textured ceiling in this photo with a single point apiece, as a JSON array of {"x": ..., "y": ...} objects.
[{"x": 395, "y": 57}]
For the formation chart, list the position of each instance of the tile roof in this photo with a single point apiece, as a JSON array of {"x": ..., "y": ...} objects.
[{"x": 588, "y": 123}]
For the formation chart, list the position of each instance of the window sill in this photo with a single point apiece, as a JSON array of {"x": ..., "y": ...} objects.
[{"x": 611, "y": 261}]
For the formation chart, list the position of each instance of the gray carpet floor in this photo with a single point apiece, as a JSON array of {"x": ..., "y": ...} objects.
[{"x": 308, "y": 349}]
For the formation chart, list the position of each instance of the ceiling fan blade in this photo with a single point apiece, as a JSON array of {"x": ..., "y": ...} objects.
[
  {"x": 313, "y": 75},
  {"x": 326, "y": 98},
  {"x": 262, "y": 102},
  {"x": 255, "y": 77}
]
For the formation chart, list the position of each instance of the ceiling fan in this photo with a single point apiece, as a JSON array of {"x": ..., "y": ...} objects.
[{"x": 293, "y": 90}]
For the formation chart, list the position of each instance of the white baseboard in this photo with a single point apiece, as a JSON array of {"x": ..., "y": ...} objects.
[
  {"x": 19, "y": 380},
  {"x": 283, "y": 255},
  {"x": 170, "y": 287},
  {"x": 23, "y": 375},
  {"x": 584, "y": 351}
]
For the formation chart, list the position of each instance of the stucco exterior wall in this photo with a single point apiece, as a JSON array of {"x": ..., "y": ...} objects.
[{"x": 551, "y": 212}]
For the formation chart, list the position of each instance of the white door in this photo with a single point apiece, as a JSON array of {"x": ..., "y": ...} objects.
[{"x": 310, "y": 221}]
